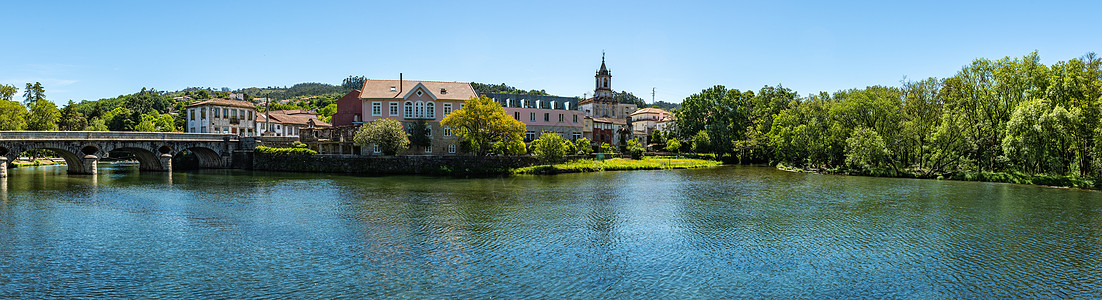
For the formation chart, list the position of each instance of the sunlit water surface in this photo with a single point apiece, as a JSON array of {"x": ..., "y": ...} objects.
[{"x": 711, "y": 233}]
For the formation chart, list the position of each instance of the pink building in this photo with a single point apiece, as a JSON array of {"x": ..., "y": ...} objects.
[{"x": 410, "y": 101}]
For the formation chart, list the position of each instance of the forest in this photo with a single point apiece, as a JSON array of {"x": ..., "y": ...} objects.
[{"x": 1013, "y": 115}]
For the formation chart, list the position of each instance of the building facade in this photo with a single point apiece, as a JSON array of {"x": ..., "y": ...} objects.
[
  {"x": 288, "y": 123},
  {"x": 542, "y": 114},
  {"x": 609, "y": 117},
  {"x": 411, "y": 101},
  {"x": 222, "y": 116},
  {"x": 648, "y": 119}
]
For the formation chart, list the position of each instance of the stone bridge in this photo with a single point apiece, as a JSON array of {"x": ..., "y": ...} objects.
[{"x": 153, "y": 150}]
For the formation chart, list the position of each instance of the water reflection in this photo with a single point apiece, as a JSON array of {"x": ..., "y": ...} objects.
[{"x": 713, "y": 233}]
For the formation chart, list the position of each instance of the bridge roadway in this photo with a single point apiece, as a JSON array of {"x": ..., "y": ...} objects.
[{"x": 153, "y": 150}]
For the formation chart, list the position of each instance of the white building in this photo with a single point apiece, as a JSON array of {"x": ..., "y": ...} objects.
[
  {"x": 222, "y": 116},
  {"x": 287, "y": 122}
]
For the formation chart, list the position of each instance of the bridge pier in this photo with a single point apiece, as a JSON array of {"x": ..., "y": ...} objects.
[
  {"x": 3, "y": 166},
  {"x": 166, "y": 162},
  {"x": 88, "y": 166}
]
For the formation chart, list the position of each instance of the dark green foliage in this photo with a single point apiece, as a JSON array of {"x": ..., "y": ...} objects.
[
  {"x": 419, "y": 135},
  {"x": 502, "y": 88}
]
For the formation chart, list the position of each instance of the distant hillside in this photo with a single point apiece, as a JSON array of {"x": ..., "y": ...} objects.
[{"x": 502, "y": 88}]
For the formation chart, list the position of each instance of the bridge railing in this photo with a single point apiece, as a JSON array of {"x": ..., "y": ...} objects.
[{"x": 115, "y": 135}]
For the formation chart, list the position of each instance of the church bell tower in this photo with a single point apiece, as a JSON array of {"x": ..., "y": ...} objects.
[{"x": 603, "y": 90}]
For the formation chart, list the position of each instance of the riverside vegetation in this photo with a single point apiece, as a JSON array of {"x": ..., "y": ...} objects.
[{"x": 1009, "y": 120}]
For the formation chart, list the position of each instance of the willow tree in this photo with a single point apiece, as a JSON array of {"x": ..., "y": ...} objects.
[{"x": 481, "y": 123}]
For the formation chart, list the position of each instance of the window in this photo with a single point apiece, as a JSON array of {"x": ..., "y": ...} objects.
[
  {"x": 547, "y": 117},
  {"x": 431, "y": 107},
  {"x": 192, "y": 111},
  {"x": 447, "y": 131},
  {"x": 203, "y": 113},
  {"x": 428, "y": 149},
  {"x": 575, "y": 118},
  {"x": 419, "y": 93},
  {"x": 393, "y": 109},
  {"x": 376, "y": 108},
  {"x": 419, "y": 109},
  {"x": 560, "y": 118},
  {"x": 428, "y": 130},
  {"x": 409, "y": 109},
  {"x": 461, "y": 105},
  {"x": 576, "y": 136},
  {"x": 216, "y": 114},
  {"x": 447, "y": 108},
  {"x": 529, "y": 136},
  {"x": 392, "y": 89},
  {"x": 532, "y": 116},
  {"x": 451, "y": 148},
  {"x": 225, "y": 112},
  {"x": 516, "y": 115},
  {"x": 376, "y": 148}
]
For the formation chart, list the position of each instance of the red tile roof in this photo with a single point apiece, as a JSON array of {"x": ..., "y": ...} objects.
[
  {"x": 282, "y": 118},
  {"x": 380, "y": 89}
]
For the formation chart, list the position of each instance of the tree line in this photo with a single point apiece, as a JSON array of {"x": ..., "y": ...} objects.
[{"x": 1006, "y": 115}]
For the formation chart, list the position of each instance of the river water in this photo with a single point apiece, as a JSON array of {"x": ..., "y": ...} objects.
[{"x": 710, "y": 233}]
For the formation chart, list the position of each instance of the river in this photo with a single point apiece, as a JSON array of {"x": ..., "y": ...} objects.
[{"x": 722, "y": 232}]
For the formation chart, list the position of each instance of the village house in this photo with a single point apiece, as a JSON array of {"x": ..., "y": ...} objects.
[
  {"x": 222, "y": 116},
  {"x": 647, "y": 119},
  {"x": 411, "y": 101},
  {"x": 287, "y": 123}
]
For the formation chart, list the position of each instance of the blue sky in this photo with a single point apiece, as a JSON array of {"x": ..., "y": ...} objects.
[{"x": 87, "y": 50}]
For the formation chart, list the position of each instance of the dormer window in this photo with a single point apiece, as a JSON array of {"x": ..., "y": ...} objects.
[
  {"x": 393, "y": 88},
  {"x": 443, "y": 91}
]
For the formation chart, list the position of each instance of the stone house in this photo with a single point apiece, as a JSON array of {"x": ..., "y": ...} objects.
[{"x": 222, "y": 116}]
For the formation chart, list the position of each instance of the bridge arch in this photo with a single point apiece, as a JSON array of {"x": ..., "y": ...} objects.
[
  {"x": 208, "y": 158},
  {"x": 147, "y": 160},
  {"x": 74, "y": 162}
]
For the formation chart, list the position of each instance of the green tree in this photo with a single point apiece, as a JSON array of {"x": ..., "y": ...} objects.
[
  {"x": 7, "y": 91},
  {"x": 96, "y": 124},
  {"x": 584, "y": 146},
  {"x": 419, "y": 135},
  {"x": 44, "y": 116},
  {"x": 353, "y": 82},
  {"x": 482, "y": 122},
  {"x": 32, "y": 93},
  {"x": 326, "y": 113},
  {"x": 608, "y": 149},
  {"x": 702, "y": 142},
  {"x": 71, "y": 119},
  {"x": 386, "y": 133},
  {"x": 673, "y": 145},
  {"x": 549, "y": 148},
  {"x": 865, "y": 150},
  {"x": 13, "y": 116},
  {"x": 571, "y": 149},
  {"x": 1037, "y": 138},
  {"x": 634, "y": 149}
]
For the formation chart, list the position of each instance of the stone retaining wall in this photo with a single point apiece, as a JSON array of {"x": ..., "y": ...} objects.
[{"x": 461, "y": 166}]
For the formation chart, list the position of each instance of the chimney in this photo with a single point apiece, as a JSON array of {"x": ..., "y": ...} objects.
[{"x": 400, "y": 87}]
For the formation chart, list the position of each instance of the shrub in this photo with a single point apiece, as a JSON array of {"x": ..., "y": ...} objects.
[
  {"x": 673, "y": 145},
  {"x": 387, "y": 133},
  {"x": 608, "y": 149},
  {"x": 284, "y": 151},
  {"x": 549, "y": 148},
  {"x": 584, "y": 146},
  {"x": 634, "y": 149}
]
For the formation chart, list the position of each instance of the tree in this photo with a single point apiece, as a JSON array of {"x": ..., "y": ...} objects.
[
  {"x": 634, "y": 149},
  {"x": 44, "y": 116},
  {"x": 608, "y": 149},
  {"x": 353, "y": 82},
  {"x": 71, "y": 119},
  {"x": 673, "y": 145},
  {"x": 482, "y": 122},
  {"x": 549, "y": 148},
  {"x": 96, "y": 124},
  {"x": 419, "y": 135},
  {"x": 571, "y": 149},
  {"x": 702, "y": 142},
  {"x": 32, "y": 93},
  {"x": 326, "y": 113},
  {"x": 13, "y": 116},
  {"x": 584, "y": 146},
  {"x": 385, "y": 133},
  {"x": 865, "y": 150},
  {"x": 7, "y": 91}
]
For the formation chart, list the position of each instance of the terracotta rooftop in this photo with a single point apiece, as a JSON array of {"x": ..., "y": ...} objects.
[
  {"x": 650, "y": 110},
  {"x": 381, "y": 89},
  {"x": 281, "y": 118},
  {"x": 224, "y": 102},
  {"x": 613, "y": 121}
]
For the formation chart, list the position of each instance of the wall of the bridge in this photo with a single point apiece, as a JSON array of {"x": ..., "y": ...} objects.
[{"x": 153, "y": 151}]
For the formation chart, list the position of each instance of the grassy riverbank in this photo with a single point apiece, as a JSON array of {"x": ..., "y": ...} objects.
[
  {"x": 617, "y": 164},
  {"x": 33, "y": 163},
  {"x": 1065, "y": 181}
]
